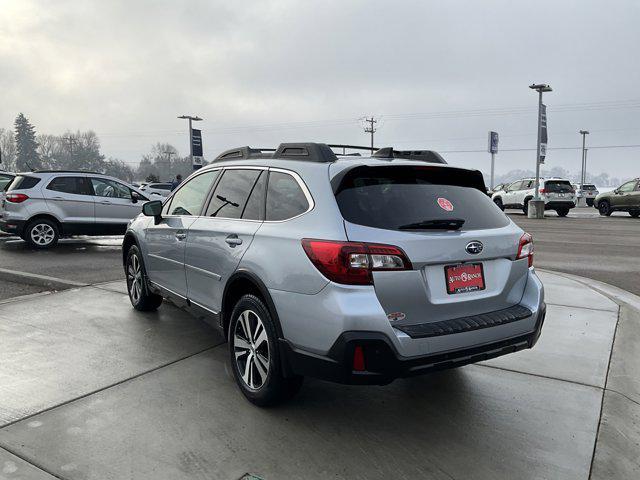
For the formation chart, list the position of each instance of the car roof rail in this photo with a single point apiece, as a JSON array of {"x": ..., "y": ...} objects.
[
  {"x": 421, "y": 155},
  {"x": 309, "y": 152},
  {"x": 67, "y": 171}
]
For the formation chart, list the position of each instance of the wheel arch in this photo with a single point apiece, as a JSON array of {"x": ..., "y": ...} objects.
[
  {"x": 46, "y": 216},
  {"x": 239, "y": 284},
  {"x": 129, "y": 240}
]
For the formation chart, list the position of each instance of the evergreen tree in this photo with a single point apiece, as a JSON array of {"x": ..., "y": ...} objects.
[{"x": 26, "y": 146}]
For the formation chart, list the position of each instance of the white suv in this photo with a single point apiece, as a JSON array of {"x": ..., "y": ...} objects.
[{"x": 557, "y": 193}]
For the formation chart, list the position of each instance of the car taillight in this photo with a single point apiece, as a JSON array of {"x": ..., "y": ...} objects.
[
  {"x": 525, "y": 248},
  {"x": 542, "y": 190},
  {"x": 16, "y": 197},
  {"x": 352, "y": 263}
]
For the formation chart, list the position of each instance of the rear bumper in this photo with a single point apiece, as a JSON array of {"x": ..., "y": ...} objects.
[
  {"x": 382, "y": 361},
  {"x": 559, "y": 204},
  {"x": 14, "y": 227}
]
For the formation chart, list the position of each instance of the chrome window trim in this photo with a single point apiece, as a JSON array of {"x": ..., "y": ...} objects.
[{"x": 303, "y": 187}]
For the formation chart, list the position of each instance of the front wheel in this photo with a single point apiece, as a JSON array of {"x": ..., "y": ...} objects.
[
  {"x": 604, "y": 208},
  {"x": 254, "y": 354},
  {"x": 562, "y": 212},
  {"x": 139, "y": 295},
  {"x": 499, "y": 204},
  {"x": 525, "y": 207}
]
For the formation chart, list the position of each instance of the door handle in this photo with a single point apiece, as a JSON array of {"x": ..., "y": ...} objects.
[
  {"x": 181, "y": 235},
  {"x": 233, "y": 240}
]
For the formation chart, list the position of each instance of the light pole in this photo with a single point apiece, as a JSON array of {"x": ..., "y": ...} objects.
[
  {"x": 194, "y": 119},
  {"x": 583, "y": 175},
  {"x": 536, "y": 206}
]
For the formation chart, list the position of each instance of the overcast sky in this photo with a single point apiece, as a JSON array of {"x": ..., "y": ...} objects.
[{"x": 438, "y": 74}]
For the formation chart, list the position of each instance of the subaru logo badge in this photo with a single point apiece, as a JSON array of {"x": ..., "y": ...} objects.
[{"x": 474, "y": 248}]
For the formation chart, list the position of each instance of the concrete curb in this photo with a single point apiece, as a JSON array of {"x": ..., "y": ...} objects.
[{"x": 39, "y": 280}]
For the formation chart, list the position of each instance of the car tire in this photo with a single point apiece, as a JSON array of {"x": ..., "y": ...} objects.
[
  {"x": 141, "y": 298},
  {"x": 499, "y": 204},
  {"x": 562, "y": 212},
  {"x": 635, "y": 213},
  {"x": 604, "y": 208},
  {"x": 525, "y": 207},
  {"x": 42, "y": 233},
  {"x": 589, "y": 202},
  {"x": 255, "y": 356}
]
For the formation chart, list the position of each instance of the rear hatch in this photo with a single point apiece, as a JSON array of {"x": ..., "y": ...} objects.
[
  {"x": 559, "y": 190},
  {"x": 450, "y": 231}
]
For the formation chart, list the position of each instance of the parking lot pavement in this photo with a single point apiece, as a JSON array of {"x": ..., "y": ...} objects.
[
  {"x": 601, "y": 248},
  {"x": 96, "y": 390},
  {"x": 79, "y": 259}
]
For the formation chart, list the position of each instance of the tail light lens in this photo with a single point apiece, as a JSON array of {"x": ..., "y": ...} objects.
[
  {"x": 352, "y": 263},
  {"x": 525, "y": 248},
  {"x": 16, "y": 197},
  {"x": 542, "y": 191}
]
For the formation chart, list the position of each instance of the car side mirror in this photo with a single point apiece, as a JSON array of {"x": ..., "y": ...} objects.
[
  {"x": 135, "y": 197},
  {"x": 153, "y": 209}
]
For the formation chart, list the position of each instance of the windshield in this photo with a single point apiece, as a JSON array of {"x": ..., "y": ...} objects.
[
  {"x": 558, "y": 186},
  {"x": 416, "y": 198}
]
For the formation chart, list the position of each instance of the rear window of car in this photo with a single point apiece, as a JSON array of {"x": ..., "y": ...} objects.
[
  {"x": 558, "y": 186},
  {"x": 23, "y": 182},
  {"x": 395, "y": 198},
  {"x": 5, "y": 180},
  {"x": 589, "y": 187}
]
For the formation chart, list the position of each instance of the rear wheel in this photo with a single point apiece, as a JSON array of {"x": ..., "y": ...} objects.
[
  {"x": 42, "y": 233},
  {"x": 589, "y": 202},
  {"x": 141, "y": 298},
  {"x": 562, "y": 212},
  {"x": 499, "y": 204},
  {"x": 604, "y": 207},
  {"x": 255, "y": 357},
  {"x": 635, "y": 213}
]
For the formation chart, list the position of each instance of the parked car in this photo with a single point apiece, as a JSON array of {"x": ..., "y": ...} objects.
[
  {"x": 161, "y": 189},
  {"x": 496, "y": 188},
  {"x": 5, "y": 179},
  {"x": 351, "y": 269},
  {"x": 557, "y": 193},
  {"x": 588, "y": 191},
  {"x": 625, "y": 198},
  {"x": 44, "y": 205}
]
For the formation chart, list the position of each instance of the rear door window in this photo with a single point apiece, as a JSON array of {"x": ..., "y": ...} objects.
[
  {"x": 420, "y": 198},
  {"x": 23, "y": 182},
  {"x": 74, "y": 185},
  {"x": 285, "y": 198},
  {"x": 558, "y": 186},
  {"x": 232, "y": 192}
]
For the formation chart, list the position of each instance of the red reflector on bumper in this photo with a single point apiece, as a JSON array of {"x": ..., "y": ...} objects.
[{"x": 358, "y": 359}]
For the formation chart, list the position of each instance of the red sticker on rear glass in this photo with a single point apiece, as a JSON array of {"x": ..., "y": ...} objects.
[{"x": 445, "y": 204}]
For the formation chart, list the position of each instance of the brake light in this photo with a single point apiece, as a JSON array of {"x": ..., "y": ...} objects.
[
  {"x": 352, "y": 263},
  {"x": 16, "y": 197},
  {"x": 525, "y": 248},
  {"x": 542, "y": 190}
]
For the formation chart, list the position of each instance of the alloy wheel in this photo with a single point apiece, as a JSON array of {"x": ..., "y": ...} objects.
[
  {"x": 251, "y": 349},
  {"x": 134, "y": 278},
  {"x": 42, "y": 234}
]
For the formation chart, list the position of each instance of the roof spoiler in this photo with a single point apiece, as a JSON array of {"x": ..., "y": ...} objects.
[{"x": 420, "y": 155}]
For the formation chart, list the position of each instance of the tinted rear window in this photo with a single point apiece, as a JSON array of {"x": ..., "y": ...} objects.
[
  {"x": 589, "y": 187},
  {"x": 558, "y": 186},
  {"x": 23, "y": 182},
  {"x": 394, "y": 197}
]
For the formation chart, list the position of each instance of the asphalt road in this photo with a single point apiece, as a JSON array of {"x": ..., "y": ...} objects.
[
  {"x": 606, "y": 249},
  {"x": 586, "y": 244}
]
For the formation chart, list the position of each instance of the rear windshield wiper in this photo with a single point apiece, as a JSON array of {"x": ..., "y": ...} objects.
[{"x": 443, "y": 223}]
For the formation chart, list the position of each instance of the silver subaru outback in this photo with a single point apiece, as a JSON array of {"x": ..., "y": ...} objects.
[{"x": 351, "y": 269}]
